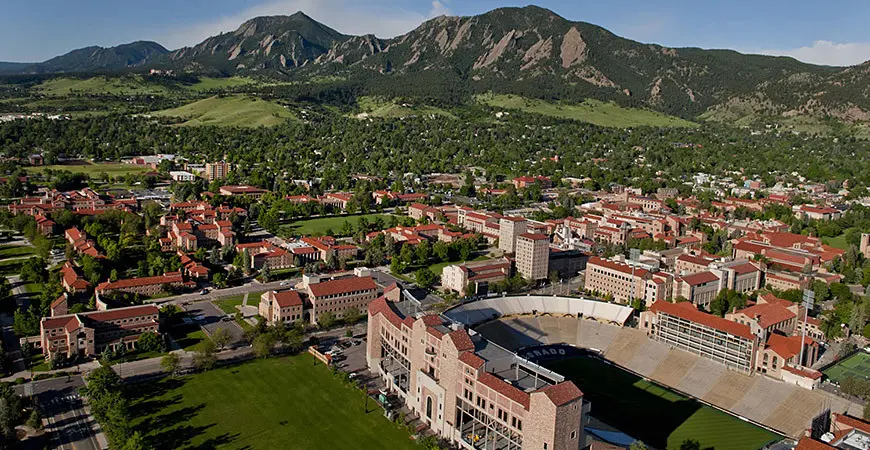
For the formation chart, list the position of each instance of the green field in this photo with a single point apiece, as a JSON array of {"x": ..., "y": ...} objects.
[
  {"x": 132, "y": 85},
  {"x": 857, "y": 366},
  {"x": 839, "y": 241},
  {"x": 228, "y": 304},
  {"x": 15, "y": 251},
  {"x": 320, "y": 225},
  {"x": 232, "y": 110},
  {"x": 264, "y": 404},
  {"x": 112, "y": 169},
  {"x": 189, "y": 337},
  {"x": 208, "y": 83},
  {"x": 11, "y": 267},
  {"x": 381, "y": 107},
  {"x": 591, "y": 111},
  {"x": 655, "y": 415}
]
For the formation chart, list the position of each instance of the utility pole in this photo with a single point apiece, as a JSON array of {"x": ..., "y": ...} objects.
[{"x": 808, "y": 302}]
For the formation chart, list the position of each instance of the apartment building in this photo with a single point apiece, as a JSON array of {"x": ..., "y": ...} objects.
[
  {"x": 509, "y": 229},
  {"x": 216, "y": 170},
  {"x": 625, "y": 282},
  {"x": 457, "y": 277},
  {"x": 91, "y": 333},
  {"x": 337, "y": 296},
  {"x": 533, "y": 255},
  {"x": 281, "y": 306},
  {"x": 681, "y": 325},
  {"x": 468, "y": 391},
  {"x": 145, "y": 286}
]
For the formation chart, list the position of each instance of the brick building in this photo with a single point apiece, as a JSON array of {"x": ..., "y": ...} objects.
[
  {"x": 89, "y": 334},
  {"x": 533, "y": 256}
]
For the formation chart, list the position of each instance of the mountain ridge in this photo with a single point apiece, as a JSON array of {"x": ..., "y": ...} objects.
[{"x": 529, "y": 51}]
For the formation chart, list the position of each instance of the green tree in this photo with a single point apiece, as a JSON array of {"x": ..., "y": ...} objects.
[
  {"x": 170, "y": 363},
  {"x": 425, "y": 278},
  {"x": 35, "y": 420},
  {"x": 264, "y": 344},
  {"x": 221, "y": 338},
  {"x": 204, "y": 358},
  {"x": 150, "y": 342},
  {"x": 326, "y": 320}
]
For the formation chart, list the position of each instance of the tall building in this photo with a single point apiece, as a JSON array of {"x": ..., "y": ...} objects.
[
  {"x": 468, "y": 391},
  {"x": 865, "y": 244},
  {"x": 509, "y": 229},
  {"x": 623, "y": 282},
  {"x": 217, "y": 170},
  {"x": 533, "y": 255}
]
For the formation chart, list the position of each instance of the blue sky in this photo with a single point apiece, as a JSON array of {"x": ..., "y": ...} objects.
[{"x": 831, "y": 32}]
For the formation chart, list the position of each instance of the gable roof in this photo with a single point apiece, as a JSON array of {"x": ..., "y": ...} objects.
[
  {"x": 686, "y": 310},
  {"x": 562, "y": 393},
  {"x": 342, "y": 286}
]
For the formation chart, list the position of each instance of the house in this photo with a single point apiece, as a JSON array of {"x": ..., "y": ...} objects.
[{"x": 72, "y": 281}]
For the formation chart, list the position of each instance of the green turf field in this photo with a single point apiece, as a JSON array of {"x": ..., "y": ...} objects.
[
  {"x": 857, "y": 366},
  {"x": 655, "y": 415},
  {"x": 231, "y": 110},
  {"x": 112, "y": 169},
  {"x": 265, "y": 404},
  {"x": 321, "y": 224},
  {"x": 591, "y": 111}
]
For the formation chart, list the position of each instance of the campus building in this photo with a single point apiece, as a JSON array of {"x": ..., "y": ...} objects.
[
  {"x": 216, "y": 170},
  {"x": 280, "y": 306},
  {"x": 509, "y": 229},
  {"x": 470, "y": 391},
  {"x": 533, "y": 255},
  {"x": 89, "y": 334},
  {"x": 145, "y": 286},
  {"x": 337, "y": 296},
  {"x": 625, "y": 282},
  {"x": 457, "y": 277},
  {"x": 681, "y": 325}
]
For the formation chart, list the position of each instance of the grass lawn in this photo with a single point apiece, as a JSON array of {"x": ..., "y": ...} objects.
[
  {"x": 112, "y": 169},
  {"x": 33, "y": 288},
  {"x": 628, "y": 403},
  {"x": 100, "y": 85},
  {"x": 381, "y": 107},
  {"x": 38, "y": 363},
  {"x": 11, "y": 267},
  {"x": 188, "y": 337},
  {"x": 233, "y": 110},
  {"x": 228, "y": 305},
  {"x": 321, "y": 224},
  {"x": 837, "y": 242},
  {"x": 16, "y": 251},
  {"x": 591, "y": 111},
  {"x": 208, "y": 83},
  {"x": 264, "y": 404},
  {"x": 857, "y": 366}
]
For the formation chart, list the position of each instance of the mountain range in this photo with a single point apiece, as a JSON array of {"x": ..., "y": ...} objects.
[{"x": 528, "y": 51}]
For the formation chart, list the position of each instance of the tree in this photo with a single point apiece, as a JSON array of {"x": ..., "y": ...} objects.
[
  {"x": 33, "y": 270},
  {"x": 219, "y": 280},
  {"x": 204, "y": 358},
  {"x": 135, "y": 442},
  {"x": 150, "y": 342},
  {"x": 221, "y": 338},
  {"x": 690, "y": 444},
  {"x": 422, "y": 252},
  {"x": 352, "y": 315},
  {"x": 35, "y": 420},
  {"x": 326, "y": 320},
  {"x": 170, "y": 363},
  {"x": 263, "y": 344},
  {"x": 637, "y": 445},
  {"x": 425, "y": 278},
  {"x": 441, "y": 251}
]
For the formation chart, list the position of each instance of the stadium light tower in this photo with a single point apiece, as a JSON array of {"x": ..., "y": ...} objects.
[
  {"x": 808, "y": 302},
  {"x": 634, "y": 257}
]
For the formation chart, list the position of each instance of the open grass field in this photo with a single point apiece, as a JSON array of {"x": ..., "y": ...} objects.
[
  {"x": 233, "y": 110},
  {"x": 264, "y": 404},
  {"x": 188, "y": 337},
  {"x": 112, "y": 169},
  {"x": 15, "y": 251},
  {"x": 384, "y": 108},
  {"x": 655, "y": 415},
  {"x": 228, "y": 304},
  {"x": 839, "y": 241},
  {"x": 857, "y": 366},
  {"x": 208, "y": 83},
  {"x": 320, "y": 225},
  {"x": 127, "y": 85},
  {"x": 591, "y": 111}
]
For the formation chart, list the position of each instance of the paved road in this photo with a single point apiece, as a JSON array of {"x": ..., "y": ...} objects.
[
  {"x": 215, "y": 294},
  {"x": 69, "y": 422}
]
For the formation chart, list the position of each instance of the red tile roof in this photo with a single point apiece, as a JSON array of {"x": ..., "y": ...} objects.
[
  {"x": 808, "y": 443},
  {"x": 807, "y": 373},
  {"x": 461, "y": 340},
  {"x": 286, "y": 299},
  {"x": 562, "y": 393},
  {"x": 472, "y": 360},
  {"x": 504, "y": 388},
  {"x": 787, "y": 346},
  {"x": 843, "y": 421},
  {"x": 342, "y": 286},
  {"x": 123, "y": 313},
  {"x": 696, "y": 279},
  {"x": 742, "y": 269},
  {"x": 768, "y": 314},
  {"x": 144, "y": 281},
  {"x": 687, "y": 310}
]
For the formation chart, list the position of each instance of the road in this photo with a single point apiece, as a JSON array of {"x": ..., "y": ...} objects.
[
  {"x": 69, "y": 422},
  {"x": 216, "y": 294}
]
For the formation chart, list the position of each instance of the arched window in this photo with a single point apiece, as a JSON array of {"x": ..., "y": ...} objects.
[{"x": 429, "y": 407}]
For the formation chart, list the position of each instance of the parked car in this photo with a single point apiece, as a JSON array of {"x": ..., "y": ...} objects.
[{"x": 203, "y": 292}]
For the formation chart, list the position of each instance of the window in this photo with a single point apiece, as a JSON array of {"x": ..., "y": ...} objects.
[{"x": 573, "y": 435}]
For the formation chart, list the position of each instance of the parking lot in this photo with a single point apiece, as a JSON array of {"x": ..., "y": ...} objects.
[{"x": 211, "y": 319}]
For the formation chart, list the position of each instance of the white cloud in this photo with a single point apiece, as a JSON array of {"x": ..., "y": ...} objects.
[
  {"x": 344, "y": 16},
  {"x": 827, "y": 53}
]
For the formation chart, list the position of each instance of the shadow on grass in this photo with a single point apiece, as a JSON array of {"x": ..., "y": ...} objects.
[{"x": 618, "y": 401}]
